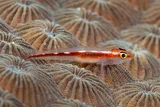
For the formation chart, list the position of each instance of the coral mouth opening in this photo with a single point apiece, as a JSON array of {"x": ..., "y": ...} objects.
[
  {"x": 15, "y": 69},
  {"x": 101, "y": 1},
  {"x": 50, "y": 34}
]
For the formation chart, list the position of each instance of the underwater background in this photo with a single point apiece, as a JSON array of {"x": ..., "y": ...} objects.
[{"x": 38, "y": 27}]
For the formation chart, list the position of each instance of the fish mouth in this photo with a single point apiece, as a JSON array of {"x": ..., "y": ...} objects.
[{"x": 130, "y": 55}]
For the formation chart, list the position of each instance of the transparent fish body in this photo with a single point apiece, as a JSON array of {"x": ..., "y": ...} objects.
[{"x": 89, "y": 55}]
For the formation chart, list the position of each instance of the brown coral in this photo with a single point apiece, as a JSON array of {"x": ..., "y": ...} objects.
[
  {"x": 143, "y": 66},
  {"x": 145, "y": 35},
  {"x": 139, "y": 94},
  {"x": 51, "y": 4},
  {"x": 141, "y": 4},
  {"x": 113, "y": 75},
  {"x": 81, "y": 84},
  {"x": 119, "y": 12},
  {"x": 8, "y": 100},
  {"x": 5, "y": 27},
  {"x": 14, "y": 45},
  {"x": 27, "y": 82},
  {"x": 86, "y": 26},
  {"x": 46, "y": 35},
  {"x": 20, "y": 11},
  {"x": 69, "y": 103},
  {"x": 152, "y": 14}
]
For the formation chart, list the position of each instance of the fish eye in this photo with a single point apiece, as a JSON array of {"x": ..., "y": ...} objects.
[{"x": 123, "y": 55}]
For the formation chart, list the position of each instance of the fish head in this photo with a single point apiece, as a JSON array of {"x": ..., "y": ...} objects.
[{"x": 120, "y": 55}]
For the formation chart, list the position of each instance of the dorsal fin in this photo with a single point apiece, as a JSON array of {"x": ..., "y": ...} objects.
[
  {"x": 122, "y": 49},
  {"x": 118, "y": 50}
]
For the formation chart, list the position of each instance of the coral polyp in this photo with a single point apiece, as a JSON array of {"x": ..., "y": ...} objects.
[
  {"x": 5, "y": 27},
  {"x": 145, "y": 35},
  {"x": 69, "y": 103},
  {"x": 50, "y": 4},
  {"x": 152, "y": 14},
  {"x": 20, "y": 11},
  {"x": 139, "y": 94},
  {"x": 119, "y": 12},
  {"x": 27, "y": 82},
  {"x": 113, "y": 75},
  {"x": 86, "y": 26},
  {"x": 46, "y": 35},
  {"x": 141, "y": 5},
  {"x": 14, "y": 45},
  {"x": 8, "y": 100},
  {"x": 81, "y": 84}
]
